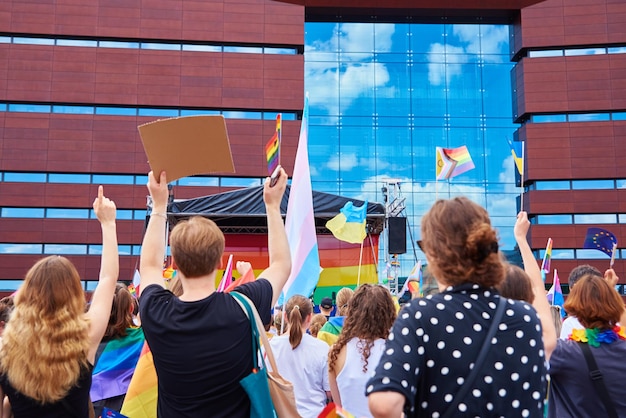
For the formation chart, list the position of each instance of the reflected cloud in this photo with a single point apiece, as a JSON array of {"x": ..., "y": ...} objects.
[
  {"x": 357, "y": 75},
  {"x": 487, "y": 41},
  {"x": 344, "y": 162}
]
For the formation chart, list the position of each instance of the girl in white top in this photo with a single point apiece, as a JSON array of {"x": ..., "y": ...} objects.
[
  {"x": 354, "y": 357},
  {"x": 302, "y": 359}
]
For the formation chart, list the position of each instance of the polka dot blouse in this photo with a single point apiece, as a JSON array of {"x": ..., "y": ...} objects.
[{"x": 434, "y": 342}]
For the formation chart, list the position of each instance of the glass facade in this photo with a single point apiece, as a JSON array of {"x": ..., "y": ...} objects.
[{"x": 383, "y": 96}]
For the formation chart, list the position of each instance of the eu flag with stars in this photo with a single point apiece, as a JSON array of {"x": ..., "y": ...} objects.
[{"x": 600, "y": 239}]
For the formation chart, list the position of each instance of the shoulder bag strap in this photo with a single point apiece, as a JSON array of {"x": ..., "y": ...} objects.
[
  {"x": 255, "y": 332},
  {"x": 598, "y": 381},
  {"x": 482, "y": 355},
  {"x": 259, "y": 325}
]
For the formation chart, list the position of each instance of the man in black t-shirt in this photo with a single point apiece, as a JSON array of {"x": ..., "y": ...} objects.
[{"x": 201, "y": 342}]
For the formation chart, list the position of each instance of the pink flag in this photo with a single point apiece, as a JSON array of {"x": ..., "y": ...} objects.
[
  {"x": 300, "y": 222},
  {"x": 228, "y": 275}
]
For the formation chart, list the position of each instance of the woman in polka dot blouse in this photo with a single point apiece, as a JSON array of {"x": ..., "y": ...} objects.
[{"x": 435, "y": 341}]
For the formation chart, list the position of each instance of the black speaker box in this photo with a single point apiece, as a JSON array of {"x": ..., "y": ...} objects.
[{"x": 397, "y": 235}]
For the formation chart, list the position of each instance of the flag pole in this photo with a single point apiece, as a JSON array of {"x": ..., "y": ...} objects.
[
  {"x": 369, "y": 236},
  {"x": 522, "y": 178},
  {"x": 358, "y": 278}
]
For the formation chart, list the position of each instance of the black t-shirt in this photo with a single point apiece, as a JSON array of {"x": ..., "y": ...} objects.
[
  {"x": 202, "y": 349},
  {"x": 77, "y": 399}
]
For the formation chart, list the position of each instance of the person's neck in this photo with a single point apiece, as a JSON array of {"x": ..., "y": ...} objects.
[{"x": 197, "y": 288}]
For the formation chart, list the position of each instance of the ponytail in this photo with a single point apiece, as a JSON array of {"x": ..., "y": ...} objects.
[
  {"x": 298, "y": 307},
  {"x": 295, "y": 327}
]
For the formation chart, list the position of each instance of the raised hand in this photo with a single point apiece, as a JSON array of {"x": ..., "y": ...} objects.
[
  {"x": 273, "y": 195},
  {"x": 104, "y": 207},
  {"x": 158, "y": 190}
]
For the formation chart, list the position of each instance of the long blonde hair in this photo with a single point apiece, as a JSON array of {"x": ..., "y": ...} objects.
[{"x": 46, "y": 341}]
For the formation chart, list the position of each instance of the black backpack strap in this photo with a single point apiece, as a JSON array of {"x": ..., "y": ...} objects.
[
  {"x": 598, "y": 380},
  {"x": 482, "y": 355}
]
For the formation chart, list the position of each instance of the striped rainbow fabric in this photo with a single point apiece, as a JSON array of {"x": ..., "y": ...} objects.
[
  {"x": 115, "y": 366},
  {"x": 141, "y": 397}
]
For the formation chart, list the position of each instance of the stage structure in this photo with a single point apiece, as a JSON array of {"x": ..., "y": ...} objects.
[
  {"x": 394, "y": 233},
  {"x": 240, "y": 214}
]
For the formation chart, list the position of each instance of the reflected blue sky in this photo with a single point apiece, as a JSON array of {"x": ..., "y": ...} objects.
[{"x": 383, "y": 96}]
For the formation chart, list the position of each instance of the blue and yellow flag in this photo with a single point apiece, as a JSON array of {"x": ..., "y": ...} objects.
[{"x": 349, "y": 224}]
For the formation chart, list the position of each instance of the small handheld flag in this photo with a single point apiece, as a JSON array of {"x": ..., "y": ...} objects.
[
  {"x": 413, "y": 282},
  {"x": 517, "y": 149},
  {"x": 555, "y": 294},
  {"x": 600, "y": 239},
  {"x": 545, "y": 264},
  {"x": 228, "y": 275},
  {"x": 451, "y": 162},
  {"x": 272, "y": 148}
]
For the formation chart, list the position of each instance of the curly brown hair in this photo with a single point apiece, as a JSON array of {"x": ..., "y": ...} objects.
[
  {"x": 460, "y": 244},
  {"x": 317, "y": 321},
  {"x": 371, "y": 314}
]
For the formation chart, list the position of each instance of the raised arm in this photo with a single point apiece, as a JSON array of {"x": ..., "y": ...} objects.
[
  {"x": 612, "y": 279},
  {"x": 278, "y": 247},
  {"x": 153, "y": 246},
  {"x": 540, "y": 302},
  {"x": 102, "y": 298}
]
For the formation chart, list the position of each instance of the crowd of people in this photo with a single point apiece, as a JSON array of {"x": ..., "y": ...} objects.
[{"x": 485, "y": 342}]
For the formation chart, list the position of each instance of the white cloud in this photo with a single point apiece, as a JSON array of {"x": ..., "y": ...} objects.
[
  {"x": 356, "y": 75},
  {"x": 439, "y": 72},
  {"x": 344, "y": 162},
  {"x": 486, "y": 41}
]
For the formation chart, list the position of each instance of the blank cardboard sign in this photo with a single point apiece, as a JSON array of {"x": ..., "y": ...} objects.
[{"x": 187, "y": 145}]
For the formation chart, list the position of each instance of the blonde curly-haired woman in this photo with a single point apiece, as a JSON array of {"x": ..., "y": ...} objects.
[{"x": 50, "y": 343}]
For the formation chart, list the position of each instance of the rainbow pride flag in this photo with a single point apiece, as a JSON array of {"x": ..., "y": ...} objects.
[
  {"x": 115, "y": 366},
  {"x": 329, "y": 333},
  {"x": 333, "y": 411},
  {"x": 272, "y": 148},
  {"x": 141, "y": 397},
  {"x": 451, "y": 162},
  {"x": 545, "y": 264}
]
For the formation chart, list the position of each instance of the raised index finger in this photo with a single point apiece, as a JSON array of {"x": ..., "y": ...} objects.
[{"x": 100, "y": 193}]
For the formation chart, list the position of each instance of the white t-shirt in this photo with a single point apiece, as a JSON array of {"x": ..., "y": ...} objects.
[
  {"x": 570, "y": 323},
  {"x": 307, "y": 368},
  {"x": 351, "y": 380}
]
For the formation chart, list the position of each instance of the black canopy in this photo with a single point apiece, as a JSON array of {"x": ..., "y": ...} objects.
[{"x": 243, "y": 210}]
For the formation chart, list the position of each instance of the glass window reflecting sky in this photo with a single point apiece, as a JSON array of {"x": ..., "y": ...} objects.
[{"x": 383, "y": 96}]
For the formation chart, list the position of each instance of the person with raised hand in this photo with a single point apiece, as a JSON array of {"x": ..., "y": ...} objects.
[
  {"x": 540, "y": 301},
  {"x": 201, "y": 341},
  {"x": 50, "y": 343},
  {"x": 466, "y": 351}
]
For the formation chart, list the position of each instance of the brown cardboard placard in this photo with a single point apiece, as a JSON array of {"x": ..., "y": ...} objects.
[{"x": 187, "y": 145}]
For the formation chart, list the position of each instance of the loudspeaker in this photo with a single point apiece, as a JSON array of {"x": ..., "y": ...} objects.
[{"x": 397, "y": 235}]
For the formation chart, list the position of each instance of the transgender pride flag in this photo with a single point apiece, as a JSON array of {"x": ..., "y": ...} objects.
[{"x": 300, "y": 222}]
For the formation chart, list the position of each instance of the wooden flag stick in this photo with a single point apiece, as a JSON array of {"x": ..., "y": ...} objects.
[{"x": 613, "y": 255}]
